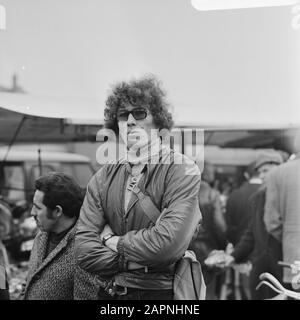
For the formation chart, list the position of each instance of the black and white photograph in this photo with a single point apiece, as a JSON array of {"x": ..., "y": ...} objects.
[{"x": 149, "y": 151}]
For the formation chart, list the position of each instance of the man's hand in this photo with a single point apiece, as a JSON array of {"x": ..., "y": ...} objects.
[
  {"x": 112, "y": 242},
  {"x": 228, "y": 260},
  {"x": 106, "y": 231},
  {"x": 215, "y": 258},
  {"x": 219, "y": 259}
]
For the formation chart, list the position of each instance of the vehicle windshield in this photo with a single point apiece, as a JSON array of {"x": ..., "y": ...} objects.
[
  {"x": 12, "y": 182},
  {"x": 16, "y": 185}
]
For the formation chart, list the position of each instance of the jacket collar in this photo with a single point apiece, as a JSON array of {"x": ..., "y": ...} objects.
[
  {"x": 165, "y": 157},
  {"x": 255, "y": 181},
  {"x": 158, "y": 157},
  {"x": 42, "y": 242}
]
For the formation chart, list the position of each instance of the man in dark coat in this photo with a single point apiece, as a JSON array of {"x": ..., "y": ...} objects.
[
  {"x": 265, "y": 250},
  {"x": 211, "y": 234},
  {"x": 237, "y": 213}
]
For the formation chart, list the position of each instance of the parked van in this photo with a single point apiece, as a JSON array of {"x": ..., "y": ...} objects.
[{"x": 21, "y": 168}]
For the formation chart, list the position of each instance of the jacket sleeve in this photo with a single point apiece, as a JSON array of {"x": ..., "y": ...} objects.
[
  {"x": 272, "y": 215},
  {"x": 90, "y": 254},
  {"x": 245, "y": 246},
  {"x": 166, "y": 241},
  {"x": 219, "y": 227},
  {"x": 230, "y": 219}
]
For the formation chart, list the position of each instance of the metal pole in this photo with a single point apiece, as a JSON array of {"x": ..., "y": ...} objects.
[{"x": 40, "y": 161}]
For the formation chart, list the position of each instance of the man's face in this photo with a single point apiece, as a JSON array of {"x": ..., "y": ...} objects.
[
  {"x": 264, "y": 170},
  {"x": 41, "y": 213},
  {"x": 135, "y": 127}
]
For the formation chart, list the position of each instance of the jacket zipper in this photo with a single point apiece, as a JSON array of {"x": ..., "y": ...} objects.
[{"x": 123, "y": 225}]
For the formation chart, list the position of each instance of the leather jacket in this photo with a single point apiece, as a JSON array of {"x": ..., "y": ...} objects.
[{"x": 173, "y": 187}]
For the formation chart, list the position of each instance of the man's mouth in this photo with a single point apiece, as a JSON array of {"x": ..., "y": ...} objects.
[{"x": 133, "y": 131}]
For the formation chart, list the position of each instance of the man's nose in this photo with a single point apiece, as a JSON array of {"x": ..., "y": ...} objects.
[
  {"x": 131, "y": 120},
  {"x": 33, "y": 213}
]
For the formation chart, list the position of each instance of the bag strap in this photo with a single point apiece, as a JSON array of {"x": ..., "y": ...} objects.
[
  {"x": 147, "y": 205},
  {"x": 194, "y": 281},
  {"x": 149, "y": 208}
]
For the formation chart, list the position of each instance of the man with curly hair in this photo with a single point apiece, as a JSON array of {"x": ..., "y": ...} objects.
[{"x": 144, "y": 207}]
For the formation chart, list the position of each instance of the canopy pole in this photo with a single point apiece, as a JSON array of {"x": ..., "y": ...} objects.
[{"x": 40, "y": 160}]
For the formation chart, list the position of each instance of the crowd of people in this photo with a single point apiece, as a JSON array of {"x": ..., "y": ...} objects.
[
  {"x": 122, "y": 238},
  {"x": 262, "y": 227}
]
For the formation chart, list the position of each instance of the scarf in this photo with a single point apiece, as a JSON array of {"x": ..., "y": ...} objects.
[{"x": 145, "y": 150}]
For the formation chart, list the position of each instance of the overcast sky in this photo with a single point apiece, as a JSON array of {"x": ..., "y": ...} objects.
[{"x": 212, "y": 64}]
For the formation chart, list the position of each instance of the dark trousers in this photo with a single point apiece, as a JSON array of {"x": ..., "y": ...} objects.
[
  {"x": 4, "y": 295},
  {"x": 264, "y": 292},
  {"x": 264, "y": 264}
]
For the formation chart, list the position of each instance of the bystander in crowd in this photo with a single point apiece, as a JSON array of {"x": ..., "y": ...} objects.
[{"x": 53, "y": 273}]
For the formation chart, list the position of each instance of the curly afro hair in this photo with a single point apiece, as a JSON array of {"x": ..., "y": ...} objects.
[{"x": 143, "y": 92}]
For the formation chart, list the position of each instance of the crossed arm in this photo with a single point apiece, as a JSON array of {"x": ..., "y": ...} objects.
[{"x": 161, "y": 244}]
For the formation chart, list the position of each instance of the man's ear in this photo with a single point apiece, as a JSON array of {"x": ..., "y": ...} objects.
[{"x": 58, "y": 211}]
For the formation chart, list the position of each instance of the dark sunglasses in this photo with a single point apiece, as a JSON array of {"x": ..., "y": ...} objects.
[{"x": 138, "y": 114}]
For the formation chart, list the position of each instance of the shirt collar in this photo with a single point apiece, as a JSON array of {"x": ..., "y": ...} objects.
[{"x": 255, "y": 181}]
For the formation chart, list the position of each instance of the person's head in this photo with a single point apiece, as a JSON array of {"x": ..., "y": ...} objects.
[
  {"x": 266, "y": 162},
  {"x": 137, "y": 106},
  {"x": 250, "y": 171},
  {"x": 57, "y": 201},
  {"x": 284, "y": 155},
  {"x": 208, "y": 173}
]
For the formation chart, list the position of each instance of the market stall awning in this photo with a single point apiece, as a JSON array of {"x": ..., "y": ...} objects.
[
  {"x": 43, "y": 119},
  {"x": 233, "y": 69},
  {"x": 80, "y": 110},
  {"x": 27, "y": 129}
]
